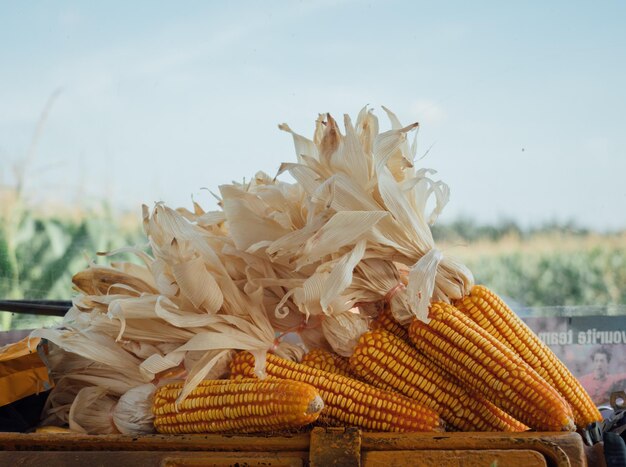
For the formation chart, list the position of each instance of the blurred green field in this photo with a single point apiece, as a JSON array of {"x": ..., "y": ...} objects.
[
  {"x": 41, "y": 249},
  {"x": 554, "y": 265}
]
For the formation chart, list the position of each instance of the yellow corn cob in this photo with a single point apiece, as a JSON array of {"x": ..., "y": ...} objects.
[
  {"x": 328, "y": 361},
  {"x": 334, "y": 363},
  {"x": 386, "y": 321},
  {"x": 486, "y": 365},
  {"x": 494, "y": 419},
  {"x": 488, "y": 310},
  {"x": 381, "y": 357},
  {"x": 347, "y": 400},
  {"x": 243, "y": 406}
]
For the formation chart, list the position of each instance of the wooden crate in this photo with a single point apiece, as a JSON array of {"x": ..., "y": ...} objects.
[{"x": 321, "y": 447}]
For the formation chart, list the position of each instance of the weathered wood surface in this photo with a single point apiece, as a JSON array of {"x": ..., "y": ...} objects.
[
  {"x": 150, "y": 459},
  {"x": 565, "y": 449},
  {"x": 78, "y": 442},
  {"x": 456, "y": 458},
  {"x": 319, "y": 447}
]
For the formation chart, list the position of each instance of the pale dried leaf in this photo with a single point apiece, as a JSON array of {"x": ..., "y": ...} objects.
[
  {"x": 421, "y": 285},
  {"x": 367, "y": 129},
  {"x": 132, "y": 415},
  {"x": 93, "y": 346},
  {"x": 344, "y": 228},
  {"x": 99, "y": 280},
  {"x": 248, "y": 227},
  {"x": 401, "y": 210},
  {"x": 205, "y": 365},
  {"x": 169, "y": 312},
  {"x": 198, "y": 285},
  {"x": 306, "y": 176},
  {"x": 91, "y": 412},
  {"x": 354, "y": 160},
  {"x": 303, "y": 146},
  {"x": 331, "y": 139},
  {"x": 342, "y": 331},
  {"x": 211, "y": 218},
  {"x": 341, "y": 276}
]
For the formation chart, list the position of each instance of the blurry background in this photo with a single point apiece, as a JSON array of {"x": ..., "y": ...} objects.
[{"x": 107, "y": 106}]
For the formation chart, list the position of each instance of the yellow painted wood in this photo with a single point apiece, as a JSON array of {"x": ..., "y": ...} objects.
[
  {"x": 561, "y": 448},
  {"x": 458, "y": 458}
]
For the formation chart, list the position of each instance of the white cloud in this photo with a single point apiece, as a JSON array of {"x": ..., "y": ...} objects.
[
  {"x": 597, "y": 145},
  {"x": 427, "y": 111},
  {"x": 70, "y": 17}
]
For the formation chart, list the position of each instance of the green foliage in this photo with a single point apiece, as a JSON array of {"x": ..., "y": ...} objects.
[
  {"x": 7, "y": 269},
  {"x": 468, "y": 230},
  {"x": 39, "y": 255},
  {"x": 596, "y": 276},
  {"x": 549, "y": 265}
]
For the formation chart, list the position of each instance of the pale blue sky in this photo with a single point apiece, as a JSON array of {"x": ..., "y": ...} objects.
[{"x": 523, "y": 102}]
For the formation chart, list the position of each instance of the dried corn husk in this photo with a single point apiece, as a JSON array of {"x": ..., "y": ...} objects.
[
  {"x": 91, "y": 412},
  {"x": 360, "y": 189},
  {"x": 132, "y": 414},
  {"x": 314, "y": 258}
]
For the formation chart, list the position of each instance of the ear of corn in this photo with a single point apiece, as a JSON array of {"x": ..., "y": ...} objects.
[
  {"x": 490, "y": 312},
  {"x": 347, "y": 400},
  {"x": 243, "y": 406},
  {"x": 386, "y": 321},
  {"x": 383, "y": 358},
  {"x": 328, "y": 361},
  {"x": 486, "y": 365}
]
